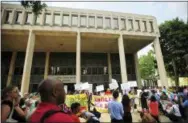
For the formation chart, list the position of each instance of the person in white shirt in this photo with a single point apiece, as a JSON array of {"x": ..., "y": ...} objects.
[{"x": 173, "y": 112}]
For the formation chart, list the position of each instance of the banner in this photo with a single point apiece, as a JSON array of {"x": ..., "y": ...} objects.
[
  {"x": 101, "y": 102},
  {"x": 80, "y": 98}
]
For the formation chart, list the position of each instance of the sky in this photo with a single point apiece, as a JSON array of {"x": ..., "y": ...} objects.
[{"x": 163, "y": 11}]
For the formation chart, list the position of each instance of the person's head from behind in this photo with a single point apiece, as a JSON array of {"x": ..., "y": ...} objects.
[
  {"x": 75, "y": 107},
  {"x": 125, "y": 100},
  {"x": 10, "y": 92},
  {"x": 115, "y": 94},
  {"x": 153, "y": 99},
  {"x": 52, "y": 91}
]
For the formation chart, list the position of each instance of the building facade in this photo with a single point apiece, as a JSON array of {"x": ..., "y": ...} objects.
[{"x": 74, "y": 45}]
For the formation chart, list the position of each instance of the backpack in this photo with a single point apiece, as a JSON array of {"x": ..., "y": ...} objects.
[{"x": 50, "y": 113}]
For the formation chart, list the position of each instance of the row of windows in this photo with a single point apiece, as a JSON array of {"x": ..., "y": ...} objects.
[{"x": 83, "y": 21}]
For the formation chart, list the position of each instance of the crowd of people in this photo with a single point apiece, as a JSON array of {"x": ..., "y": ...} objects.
[{"x": 48, "y": 105}]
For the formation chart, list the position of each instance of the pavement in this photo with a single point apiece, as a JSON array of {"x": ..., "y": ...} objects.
[{"x": 105, "y": 117}]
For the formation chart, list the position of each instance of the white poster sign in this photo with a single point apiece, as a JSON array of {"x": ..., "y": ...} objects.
[
  {"x": 100, "y": 88},
  {"x": 114, "y": 84},
  {"x": 125, "y": 86},
  {"x": 65, "y": 88},
  {"x": 111, "y": 86},
  {"x": 159, "y": 83},
  {"x": 138, "y": 92},
  {"x": 133, "y": 83},
  {"x": 85, "y": 86},
  {"x": 90, "y": 88},
  {"x": 78, "y": 86}
]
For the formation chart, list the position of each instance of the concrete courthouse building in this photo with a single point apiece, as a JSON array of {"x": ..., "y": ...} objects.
[{"x": 74, "y": 45}]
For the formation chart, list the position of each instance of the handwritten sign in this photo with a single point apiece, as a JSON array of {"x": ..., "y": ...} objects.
[{"x": 100, "y": 88}]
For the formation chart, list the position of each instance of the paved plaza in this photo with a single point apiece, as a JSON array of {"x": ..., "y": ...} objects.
[{"x": 105, "y": 117}]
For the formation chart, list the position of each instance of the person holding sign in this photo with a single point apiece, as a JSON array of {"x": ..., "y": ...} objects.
[{"x": 115, "y": 109}]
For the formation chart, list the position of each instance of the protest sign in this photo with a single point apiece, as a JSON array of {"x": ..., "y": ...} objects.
[
  {"x": 138, "y": 92},
  {"x": 114, "y": 84},
  {"x": 90, "y": 88},
  {"x": 100, "y": 88},
  {"x": 101, "y": 102},
  {"x": 125, "y": 86},
  {"x": 65, "y": 88},
  {"x": 80, "y": 98},
  {"x": 111, "y": 86},
  {"x": 133, "y": 83},
  {"x": 85, "y": 86},
  {"x": 78, "y": 86}
]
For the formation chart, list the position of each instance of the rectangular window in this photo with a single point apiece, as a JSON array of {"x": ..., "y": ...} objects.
[
  {"x": 83, "y": 21},
  {"x": 91, "y": 21},
  {"x": 130, "y": 24},
  {"x": 8, "y": 17},
  {"x": 18, "y": 17},
  {"x": 137, "y": 25},
  {"x": 74, "y": 20},
  {"x": 151, "y": 25},
  {"x": 57, "y": 19},
  {"x": 65, "y": 19},
  {"x": 38, "y": 19},
  {"x": 99, "y": 22},
  {"x": 47, "y": 19},
  {"x": 28, "y": 19},
  {"x": 123, "y": 24},
  {"x": 107, "y": 23},
  {"x": 115, "y": 23},
  {"x": 145, "y": 27}
]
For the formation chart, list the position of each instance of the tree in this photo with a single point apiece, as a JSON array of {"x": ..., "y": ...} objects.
[
  {"x": 36, "y": 6},
  {"x": 174, "y": 45},
  {"x": 147, "y": 67}
]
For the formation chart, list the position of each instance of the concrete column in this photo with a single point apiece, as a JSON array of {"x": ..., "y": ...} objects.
[
  {"x": 13, "y": 16},
  {"x": 11, "y": 69},
  {"x": 28, "y": 63},
  {"x": 148, "y": 26},
  {"x": 3, "y": 14},
  {"x": 95, "y": 21},
  {"x": 122, "y": 59},
  {"x": 87, "y": 20},
  {"x": 79, "y": 20},
  {"x": 111, "y": 21},
  {"x": 160, "y": 62},
  {"x": 70, "y": 18},
  {"x": 46, "y": 65},
  {"x": 119, "y": 23},
  {"x": 109, "y": 67},
  {"x": 61, "y": 18},
  {"x": 23, "y": 17},
  {"x": 42, "y": 17},
  {"x": 33, "y": 19},
  {"x": 103, "y": 22},
  {"x": 127, "y": 24},
  {"x": 52, "y": 18},
  {"x": 78, "y": 58},
  {"x": 138, "y": 78}
]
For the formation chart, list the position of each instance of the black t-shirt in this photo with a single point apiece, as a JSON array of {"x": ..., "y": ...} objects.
[{"x": 15, "y": 114}]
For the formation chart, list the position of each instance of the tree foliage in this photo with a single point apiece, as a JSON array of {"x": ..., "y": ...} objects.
[
  {"x": 147, "y": 66},
  {"x": 174, "y": 45},
  {"x": 36, "y": 6}
]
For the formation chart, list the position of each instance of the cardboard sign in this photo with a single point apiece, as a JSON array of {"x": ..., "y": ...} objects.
[
  {"x": 78, "y": 86},
  {"x": 100, "y": 88},
  {"x": 85, "y": 86},
  {"x": 125, "y": 86},
  {"x": 133, "y": 83},
  {"x": 114, "y": 84},
  {"x": 90, "y": 88}
]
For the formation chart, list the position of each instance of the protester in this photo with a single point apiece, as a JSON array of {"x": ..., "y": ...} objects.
[
  {"x": 147, "y": 118},
  {"x": 10, "y": 109},
  {"x": 154, "y": 108},
  {"x": 144, "y": 96},
  {"x": 75, "y": 107},
  {"x": 173, "y": 112},
  {"x": 52, "y": 94},
  {"x": 115, "y": 109},
  {"x": 127, "y": 117}
]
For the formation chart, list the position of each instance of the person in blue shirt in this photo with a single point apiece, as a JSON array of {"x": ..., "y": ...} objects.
[{"x": 115, "y": 109}]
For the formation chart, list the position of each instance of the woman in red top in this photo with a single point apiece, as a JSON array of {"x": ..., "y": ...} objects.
[{"x": 154, "y": 108}]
